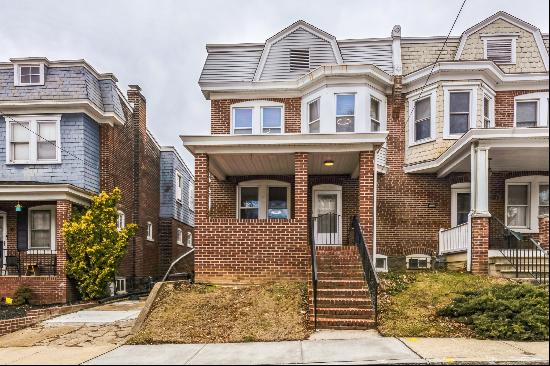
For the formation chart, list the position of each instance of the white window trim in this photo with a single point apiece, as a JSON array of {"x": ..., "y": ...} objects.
[
  {"x": 52, "y": 209},
  {"x": 17, "y": 74},
  {"x": 189, "y": 239},
  {"x": 511, "y": 37},
  {"x": 419, "y": 256},
  {"x": 381, "y": 269},
  {"x": 309, "y": 123},
  {"x": 179, "y": 236},
  {"x": 433, "y": 115},
  {"x": 263, "y": 186},
  {"x": 33, "y": 121},
  {"x": 150, "y": 231},
  {"x": 472, "y": 117},
  {"x": 179, "y": 188},
  {"x": 455, "y": 189},
  {"x": 542, "y": 106},
  {"x": 256, "y": 106},
  {"x": 491, "y": 96},
  {"x": 191, "y": 195},
  {"x": 354, "y": 115},
  {"x": 122, "y": 282},
  {"x": 120, "y": 215},
  {"x": 533, "y": 182}
]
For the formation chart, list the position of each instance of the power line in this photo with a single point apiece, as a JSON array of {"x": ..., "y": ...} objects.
[
  {"x": 9, "y": 119},
  {"x": 436, "y": 60}
]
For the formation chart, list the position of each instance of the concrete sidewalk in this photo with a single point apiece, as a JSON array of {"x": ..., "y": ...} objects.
[{"x": 334, "y": 348}]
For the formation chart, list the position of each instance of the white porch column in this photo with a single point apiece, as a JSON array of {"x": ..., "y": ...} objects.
[{"x": 480, "y": 181}]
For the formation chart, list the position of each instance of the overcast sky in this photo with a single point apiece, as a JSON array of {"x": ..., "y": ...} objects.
[{"x": 160, "y": 44}]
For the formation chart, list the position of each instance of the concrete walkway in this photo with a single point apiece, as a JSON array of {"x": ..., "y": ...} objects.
[{"x": 332, "y": 348}]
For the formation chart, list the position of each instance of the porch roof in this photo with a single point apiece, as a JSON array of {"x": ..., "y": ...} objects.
[
  {"x": 25, "y": 191},
  {"x": 238, "y": 155},
  {"x": 510, "y": 149}
]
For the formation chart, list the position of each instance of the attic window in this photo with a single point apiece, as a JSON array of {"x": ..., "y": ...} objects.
[
  {"x": 28, "y": 74},
  {"x": 501, "y": 50},
  {"x": 299, "y": 59}
]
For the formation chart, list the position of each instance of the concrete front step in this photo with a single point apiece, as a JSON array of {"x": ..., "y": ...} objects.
[{"x": 340, "y": 323}]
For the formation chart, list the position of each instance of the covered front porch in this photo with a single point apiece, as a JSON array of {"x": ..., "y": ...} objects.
[
  {"x": 259, "y": 202},
  {"x": 32, "y": 248},
  {"x": 499, "y": 201}
]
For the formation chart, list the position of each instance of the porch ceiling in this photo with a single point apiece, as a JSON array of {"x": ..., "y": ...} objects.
[{"x": 224, "y": 165}]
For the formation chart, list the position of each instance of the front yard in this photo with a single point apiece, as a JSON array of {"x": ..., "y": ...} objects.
[
  {"x": 448, "y": 304},
  {"x": 185, "y": 313}
]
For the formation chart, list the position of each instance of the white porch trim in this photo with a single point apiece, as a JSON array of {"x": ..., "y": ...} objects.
[{"x": 44, "y": 192}]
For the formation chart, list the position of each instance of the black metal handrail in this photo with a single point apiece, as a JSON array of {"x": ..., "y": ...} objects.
[
  {"x": 314, "y": 278},
  {"x": 521, "y": 251},
  {"x": 31, "y": 262},
  {"x": 369, "y": 271}
]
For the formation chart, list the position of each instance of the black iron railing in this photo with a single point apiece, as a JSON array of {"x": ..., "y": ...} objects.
[
  {"x": 314, "y": 278},
  {"x": 368, "y": 267},
  {"x": 523, "y": 252},
  {"x": 32, "y": 262}
]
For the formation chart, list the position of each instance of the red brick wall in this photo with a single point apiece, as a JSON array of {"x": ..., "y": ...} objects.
[
  {"x": 169, "y": 249},
  {"x": 366, "y": 196},
  {"x": 504, "y": 107},
  {"x": 543, "y": 231},
  {"x": 220, "y": 114},
  {"x": 251, "y": 251},
  {"x": 405, "y": 223},
  {"x": 480, "y": 245}
]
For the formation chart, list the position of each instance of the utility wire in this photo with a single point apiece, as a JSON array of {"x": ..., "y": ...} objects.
[{"x": 437, "y": 59}]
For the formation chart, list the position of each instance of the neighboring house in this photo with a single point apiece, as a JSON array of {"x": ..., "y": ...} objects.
[
  {"x": 331, "y": 142},
  {"x": 66, "y": 133}
]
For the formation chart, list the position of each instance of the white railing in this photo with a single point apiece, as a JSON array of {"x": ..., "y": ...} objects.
[{"x": 455, "y": 240}]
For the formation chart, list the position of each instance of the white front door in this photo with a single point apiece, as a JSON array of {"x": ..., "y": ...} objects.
[{"x": 327, "y": 216}]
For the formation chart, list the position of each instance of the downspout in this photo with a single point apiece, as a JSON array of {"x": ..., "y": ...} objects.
[{"x": 375, "y": 184}]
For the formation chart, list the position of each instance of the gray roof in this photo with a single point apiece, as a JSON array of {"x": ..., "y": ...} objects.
[{"x": 65, "y": 81}]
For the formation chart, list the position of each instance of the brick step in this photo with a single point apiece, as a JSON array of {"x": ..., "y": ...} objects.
[
  {"x": 336, "y": 248},
  {"x": 352, "y": 313},
  {"x": 333, "y": 267},
  {"x": 341, "y": 284},
  {"x": 339, "y": 293},
  {"x": 339, "y": 302},
  {"x": 339, "y": 323},
  {"x": 343, "y": 275}
]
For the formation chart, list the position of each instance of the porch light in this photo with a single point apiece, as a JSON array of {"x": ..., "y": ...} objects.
[
  {"x": 328, "y": 163},
  {"x": 18, "y": 207}
]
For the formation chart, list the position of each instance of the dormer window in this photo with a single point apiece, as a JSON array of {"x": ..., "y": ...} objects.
[
  {"x": 500, "y": 50},
  {"x": 29, "y": 74},
  {"x": 299, "y": 60}
]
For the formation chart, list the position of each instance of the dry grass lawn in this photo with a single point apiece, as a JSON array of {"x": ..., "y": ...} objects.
[
  {"x": 409, "y": 302},
  {"x": 184, "y": 313}
]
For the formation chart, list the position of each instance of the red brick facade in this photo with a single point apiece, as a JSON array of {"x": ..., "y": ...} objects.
[
  {"x": 480, "y": 245},
  {"x": 505, "y": 105},
  {"x": 543, "y": 231}
]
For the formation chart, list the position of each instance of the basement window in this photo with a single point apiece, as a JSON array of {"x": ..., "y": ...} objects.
[
  {"x": 299, "y": 60},
  {"x": 120, "y": 285},
  {"x": 418, "y": 261},
  {"x": 381, "y": 263}
]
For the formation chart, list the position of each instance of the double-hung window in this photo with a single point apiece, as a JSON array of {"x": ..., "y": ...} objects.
[
  {"x": 179, "y": 186},
  {"x": 486, "y": 112},
  {"x": 345, "y": 112},
  {"x": 121, "y": 220},
  {"x": 149, "y": 231},
  {"x": 314, "y": 116},
  {"x": 191, "y": 196},
  {"x": 374, "y": 114},
  {"x": 179, "y": 239},
  {"x": 33, "y": 139},
  {"x": 42, "y": 227},
  {"x": 242, "y": 121},
  {"x": 517, "y": 208},
  {"x": 422, "y": 119},
  {"x": 543, "y": 199},
  {"x": 272, "y": 120},
  {"x": 264, "y": 200},
  {"x": 459, "y": 112},
  {"x": 527, "y": 113}
]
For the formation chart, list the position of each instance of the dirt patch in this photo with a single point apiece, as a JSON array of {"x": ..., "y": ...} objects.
[
  {"x": 409, "y": 303},
  {"x": 184, "y": 313}
]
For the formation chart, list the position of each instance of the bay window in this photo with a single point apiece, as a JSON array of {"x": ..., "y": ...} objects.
[
  {"x": 374, "y": 114},
  {"x": 263, "y": 200},
  {"x": 422, "y": 119},
  {"x": 459, "y": 118},
  {"x": 345, "y": 112},
  {"x": 314, "y": 116},
  {"x": 33, "y": 139}
]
